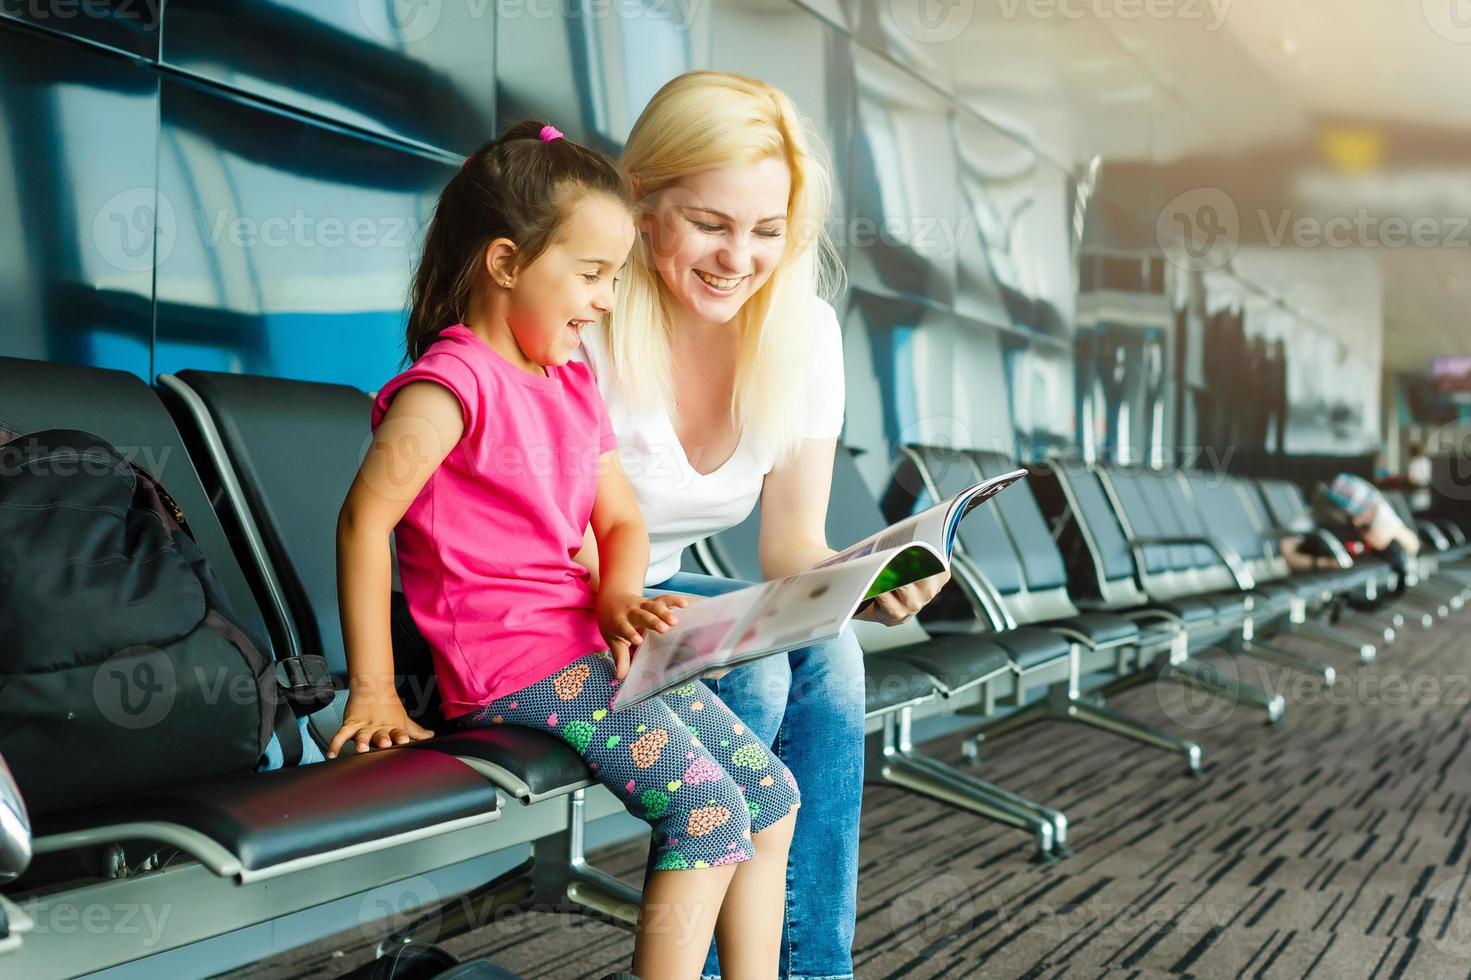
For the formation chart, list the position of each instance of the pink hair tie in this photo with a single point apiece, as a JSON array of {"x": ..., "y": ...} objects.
[{"x": 549, "y": 133}]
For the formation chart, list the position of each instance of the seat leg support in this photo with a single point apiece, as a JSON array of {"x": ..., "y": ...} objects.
[
  {"x": 897, "y": 762},
  {"x": 1325, "y": 673},
  {"x": 1379, "y": 625},
  {"x": 1342, "y": 639},
  {"x": 555, "y": 877},
  {"x": 1206, "y": 678},
  {"x": 1066, "y": 704}
]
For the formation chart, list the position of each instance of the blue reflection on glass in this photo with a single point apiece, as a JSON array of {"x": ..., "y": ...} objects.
[
  {"x": 76, "y": 221},
  {"x": 294, "y": 242}
]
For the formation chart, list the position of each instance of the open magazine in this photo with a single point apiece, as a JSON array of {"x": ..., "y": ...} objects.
[{"x": 802, "y": 609}]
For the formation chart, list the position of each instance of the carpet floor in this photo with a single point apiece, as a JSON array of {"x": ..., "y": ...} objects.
[{"x": 1333, "y": 846}]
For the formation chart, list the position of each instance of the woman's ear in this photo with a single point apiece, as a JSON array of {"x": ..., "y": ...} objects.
[{"x": 500, "y": 262}]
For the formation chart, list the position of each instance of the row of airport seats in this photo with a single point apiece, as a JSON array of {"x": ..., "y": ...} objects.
[
  {"x": 260, "y": 467},
  {"x": 1086, "y": 580}
]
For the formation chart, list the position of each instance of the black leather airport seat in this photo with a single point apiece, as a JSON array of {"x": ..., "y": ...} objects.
[
  {"x": 1283, "y": 602},
  {"x": 1008, "y": 563},
  {"x": 252, "y": 814},
  {"x": 270, "y": 821},
  {"x": 1152, "y": 568},
  {"x": 1180, "y": 561}
]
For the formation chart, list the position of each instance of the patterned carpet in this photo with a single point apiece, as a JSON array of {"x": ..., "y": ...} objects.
[{"x": 1333, "y": 846}]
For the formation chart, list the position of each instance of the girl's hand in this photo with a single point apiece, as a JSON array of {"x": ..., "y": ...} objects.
[
  {"x": 623, "y": 618},
  {"x": 376, "y": 723},
  {"x": 893, "y": 608}
]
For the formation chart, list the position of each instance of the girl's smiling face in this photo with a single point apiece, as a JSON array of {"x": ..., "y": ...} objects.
[
  {"x": 570, "y": 284},
  {"x": 716, "y": 236}
]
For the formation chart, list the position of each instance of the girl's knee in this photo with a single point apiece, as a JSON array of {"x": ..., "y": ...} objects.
[
  {"x": 709, "y": 826},
  {"x": 775, "y": 798}
]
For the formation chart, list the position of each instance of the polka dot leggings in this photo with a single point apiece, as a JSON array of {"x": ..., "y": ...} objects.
[{"x": 682, "y": 761}]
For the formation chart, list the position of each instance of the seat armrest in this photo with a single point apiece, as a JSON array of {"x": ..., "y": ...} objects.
[
  {"x": 1433, "y": 535},
  {"x": 1245, "y": 581}
]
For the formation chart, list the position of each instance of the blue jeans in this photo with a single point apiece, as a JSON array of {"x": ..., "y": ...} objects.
[{"x": 808, "y": 706}]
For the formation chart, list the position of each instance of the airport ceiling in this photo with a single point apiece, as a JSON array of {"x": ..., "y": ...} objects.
[{"x": 1299, "y": 110}]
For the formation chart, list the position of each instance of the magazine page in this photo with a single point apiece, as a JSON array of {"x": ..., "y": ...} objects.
[
  {"x": 928, "y": 527},
  {"x": 934, "y": 526},
  {"x": 785, "y": 614},
  {"x": 967, "y": 500}
]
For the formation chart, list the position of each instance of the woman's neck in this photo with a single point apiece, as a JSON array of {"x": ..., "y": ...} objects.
[{"x": 692, "y": 333}]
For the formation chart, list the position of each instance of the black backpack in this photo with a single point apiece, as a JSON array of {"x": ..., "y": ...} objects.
[{"x": 123, "y": 668}]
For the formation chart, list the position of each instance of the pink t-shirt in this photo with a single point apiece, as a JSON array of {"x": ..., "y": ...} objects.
[{"x": 485, "y": 550}]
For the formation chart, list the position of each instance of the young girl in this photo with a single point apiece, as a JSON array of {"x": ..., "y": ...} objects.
[{"x": 491, "y": 454}]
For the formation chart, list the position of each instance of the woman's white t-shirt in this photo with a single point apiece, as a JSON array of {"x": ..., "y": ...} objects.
[{"x": 679, "y": 504}]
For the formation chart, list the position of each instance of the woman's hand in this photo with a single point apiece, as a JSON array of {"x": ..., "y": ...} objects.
[
  {"x": 622, "y": 619},
  {"x": 893, "y": 608},
  {"x": 376, "y": 723}
]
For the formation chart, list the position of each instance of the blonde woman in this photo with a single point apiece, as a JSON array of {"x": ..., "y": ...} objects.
[{"x": 722, "y": 368}]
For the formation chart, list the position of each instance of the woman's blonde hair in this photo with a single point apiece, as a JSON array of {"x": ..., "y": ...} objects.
[{"x": 703, "y": 120}]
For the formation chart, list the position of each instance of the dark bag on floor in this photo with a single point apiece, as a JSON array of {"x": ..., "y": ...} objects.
[
  {"x": 421, "y": 961},
  {"x": 123, "y": 668}
]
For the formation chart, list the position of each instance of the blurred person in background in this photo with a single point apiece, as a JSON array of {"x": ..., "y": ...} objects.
[{"x": 1417, "y": 475}]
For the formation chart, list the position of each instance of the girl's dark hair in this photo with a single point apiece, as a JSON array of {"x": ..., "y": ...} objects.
[{"x": 518, "y": 187}]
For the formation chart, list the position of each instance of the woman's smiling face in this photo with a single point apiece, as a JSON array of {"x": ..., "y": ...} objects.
[{"x": 716, "y": 236}]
